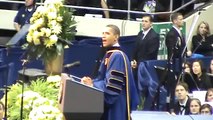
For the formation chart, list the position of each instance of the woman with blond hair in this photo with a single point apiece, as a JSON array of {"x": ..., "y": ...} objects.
[{"x": 202, "y": 41}]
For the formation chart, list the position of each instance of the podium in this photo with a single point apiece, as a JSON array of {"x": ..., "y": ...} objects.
[{"x": 81, "y": 102}]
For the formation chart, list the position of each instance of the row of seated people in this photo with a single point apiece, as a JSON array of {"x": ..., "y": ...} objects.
[
  {"x": 190, "y": 105},
  {"x": 196, "y": 76}
]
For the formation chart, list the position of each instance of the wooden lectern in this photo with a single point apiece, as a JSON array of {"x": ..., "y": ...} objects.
[{"x": 81, "y": 102}]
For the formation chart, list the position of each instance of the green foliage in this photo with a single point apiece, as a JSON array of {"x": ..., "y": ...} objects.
[
  {"x": 38, "y": 93},
  {"x": 45, "y": 89}
]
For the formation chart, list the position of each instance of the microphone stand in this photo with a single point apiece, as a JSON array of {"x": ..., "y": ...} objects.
[
  {"x": 169, "y": 83},
  {"x": 199, "y": 44},
  {"x": 25, "y": 61},
  {"x": 184, "y": 52},
  {"x": 5, "y": 106}
]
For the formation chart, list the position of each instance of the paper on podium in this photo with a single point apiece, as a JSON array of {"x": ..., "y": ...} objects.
[{"x": 19, "y": 35}]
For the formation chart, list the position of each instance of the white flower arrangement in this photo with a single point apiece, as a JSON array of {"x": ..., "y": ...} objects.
[
  {"x": 52, "y": 28},
  {"x": 40, "y": 100},
  {"x": 45, "y": 112}
]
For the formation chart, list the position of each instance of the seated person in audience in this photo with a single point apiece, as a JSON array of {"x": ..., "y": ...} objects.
[
  {"x": 206, "y": 109},
  {"x": 202, "y": 42},
  {"x": 195, "y": 105},
  {"x": 24, "y": 14},
  {"x": 187, "y": 67},
  {"x": 183, "y": 100},
  {"x": 200, "y": 77},
  {"x": 210, "y": 71},
  {"x": 187, "y": 75},
  {"x": 209, "y": 95},
  {"x": 23, "y": 17}
]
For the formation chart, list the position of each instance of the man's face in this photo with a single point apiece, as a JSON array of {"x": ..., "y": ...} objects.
[
  {"x": 108, "y": 37},
  {"x": 28, "y": 3},
  {"x": 181, "y": 93},
  {"x": 146, "y": 23},
  {"x": 179, "y": 21}
]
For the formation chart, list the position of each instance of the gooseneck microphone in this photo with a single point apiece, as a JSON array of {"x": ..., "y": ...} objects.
[{"x": 74, "y": 64}]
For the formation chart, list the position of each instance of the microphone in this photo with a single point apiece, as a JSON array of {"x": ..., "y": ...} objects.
[{"x": 74, "y": 64}]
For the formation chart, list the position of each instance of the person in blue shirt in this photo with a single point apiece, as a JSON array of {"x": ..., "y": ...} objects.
[
  {"x": 24, "y": 14},
  {"x": 23, "y": 17},
  {"x": 115, "y": 78}
]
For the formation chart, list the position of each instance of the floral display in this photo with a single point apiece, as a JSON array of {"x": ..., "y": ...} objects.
[
  {"x": 52, "y": 28},
  {"x": 40, "y": 100}
]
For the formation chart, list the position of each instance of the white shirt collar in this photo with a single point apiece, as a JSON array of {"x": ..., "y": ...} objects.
[
  {"x": 146, "y": 32},
  {"x": 184, "y": 104},
  {"x": 116, "y": 45},
  {"x": 177, "y": 30}
]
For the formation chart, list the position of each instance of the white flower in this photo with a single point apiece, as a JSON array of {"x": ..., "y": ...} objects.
[
  {"x": 55, "y": 78},
  {"x": 53, "y": 39},
  {"x": 45, "y": 112},
  {"x": 52, "y": 23},
  {"x": 29, "y": 96},
  {"x": 59, "y": 19},
  {"x": 42, "y": 101},
  {"x": 40, "y": 9},
  {"x": 52, "y": 15},
  {"x": 29, "y": 38},
  {"x": 35, "y": 35},
  {"x": 39, "y": 22},
  {"x": 37, "y": 41},
  {"x": 56, "y": 29}
]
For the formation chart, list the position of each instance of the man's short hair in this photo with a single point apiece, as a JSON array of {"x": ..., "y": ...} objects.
[
  {"x": 115, "y": 29},
  {"x": 183, "y": 84},
  {"x": 174, "y": 16},
  {"x": 148, "y": 15}
]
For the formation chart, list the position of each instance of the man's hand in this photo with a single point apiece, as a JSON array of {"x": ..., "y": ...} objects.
[
  {"x": 87, "y": 80},
  {"x": 134, "y": 64}
]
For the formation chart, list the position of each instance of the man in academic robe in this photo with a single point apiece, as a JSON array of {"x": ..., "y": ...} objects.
[{"x": 115, "y": 78}]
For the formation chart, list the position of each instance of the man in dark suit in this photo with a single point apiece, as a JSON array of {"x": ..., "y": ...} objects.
[
  {"x": 175, "y": 41},
  {"x": 183, "y": 103},
  {"x": 147, "y": 44}
]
